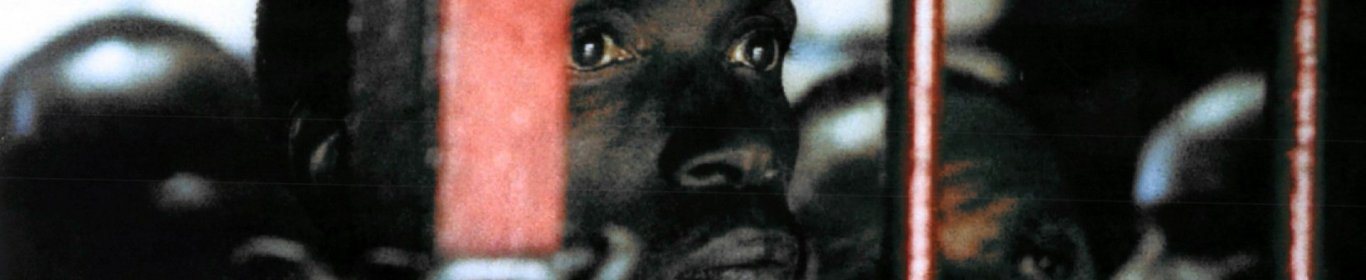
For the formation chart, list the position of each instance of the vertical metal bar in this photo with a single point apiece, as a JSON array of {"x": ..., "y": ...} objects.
[
  {"x": 926, "y": 51},
  {"x": 502, "y": 127},
  {"x": 1303, "y": 159}
]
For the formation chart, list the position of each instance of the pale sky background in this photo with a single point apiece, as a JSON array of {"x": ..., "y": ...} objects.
[{"x": 822, "y": 27}]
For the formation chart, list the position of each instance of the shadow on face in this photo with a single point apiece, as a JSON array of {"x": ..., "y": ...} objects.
[{"x": 682, "y": 136}]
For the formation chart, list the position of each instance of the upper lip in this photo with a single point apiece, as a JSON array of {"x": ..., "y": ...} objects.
[{"x": 747, "y": 248}]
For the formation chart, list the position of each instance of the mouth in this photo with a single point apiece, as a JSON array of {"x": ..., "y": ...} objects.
[{"x": 744, "y": 253}]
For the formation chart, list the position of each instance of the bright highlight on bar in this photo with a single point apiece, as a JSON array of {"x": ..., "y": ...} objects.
[
  {"x": 1303, "y": 161},
  {"x": 925, "y": 49}
]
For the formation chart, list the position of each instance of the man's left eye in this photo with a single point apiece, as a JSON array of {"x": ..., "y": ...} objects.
[{"x": 757, "y": 49}]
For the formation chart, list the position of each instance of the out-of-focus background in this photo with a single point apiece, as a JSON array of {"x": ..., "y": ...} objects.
[
  {"x": 1144, "y": 133},
  {"x": 825, "y": 31},
  {"x": 29, "y": 24}
]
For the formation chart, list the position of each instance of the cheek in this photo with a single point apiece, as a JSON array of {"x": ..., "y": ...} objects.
[
  {"x": 611, "y": 167},
  {"x": 614, "y": 145}
]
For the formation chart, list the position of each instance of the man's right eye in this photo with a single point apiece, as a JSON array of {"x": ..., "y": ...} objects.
[{"x": 593, "y": 49}]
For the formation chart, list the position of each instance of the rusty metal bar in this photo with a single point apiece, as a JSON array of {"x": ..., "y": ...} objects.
[
  {"x": 1303, "y": 157},
  {"x": 926, "y": 54},
  {"x": 502, "y": 126}
]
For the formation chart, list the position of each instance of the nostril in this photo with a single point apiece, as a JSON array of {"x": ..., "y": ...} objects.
[
  {"x": 728, "y": 167},
  {"x": 710, "y": 174}
]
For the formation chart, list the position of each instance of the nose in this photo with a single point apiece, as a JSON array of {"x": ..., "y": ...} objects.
[
  {"x": 748, "y": 164},
  {"x": 726, "y": 131}
]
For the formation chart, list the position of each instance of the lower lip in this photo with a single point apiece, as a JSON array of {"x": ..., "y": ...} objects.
[
  {"x": 760, "y": 272},
  {"x": 769, "y": 261},
  {"x": 742, "y": 253}
]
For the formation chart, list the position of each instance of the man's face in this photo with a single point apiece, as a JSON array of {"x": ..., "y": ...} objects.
[{"x": 682, "y": 135}]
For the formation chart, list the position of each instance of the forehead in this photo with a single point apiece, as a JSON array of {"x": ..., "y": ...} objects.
[{"x": 690, "y": 12}]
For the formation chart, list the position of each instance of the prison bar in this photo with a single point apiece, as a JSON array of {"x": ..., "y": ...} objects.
[
  {"x": 502, "y": 124},
  {"x": 926, "y": 52},
  {"x": 1303, "y": 156},
  {"x": 500, "y": 186},
  {"x": 501, "y": 173}
]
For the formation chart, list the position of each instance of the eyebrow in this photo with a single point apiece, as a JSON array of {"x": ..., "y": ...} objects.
[
  {"x": 586, "y": 6},
  {"x": 593, "y": 6}
]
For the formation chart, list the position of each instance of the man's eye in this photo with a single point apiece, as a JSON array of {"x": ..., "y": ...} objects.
[
  {"x": 759, "y": 50},
  {"x": 593, "y": 49}
]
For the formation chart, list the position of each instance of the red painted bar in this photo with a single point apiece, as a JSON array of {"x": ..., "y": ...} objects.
[
  {"x": 926, "y": 52},
  {"x": 501, "y": 127},
  {"x": 1303, "y": 161}
]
